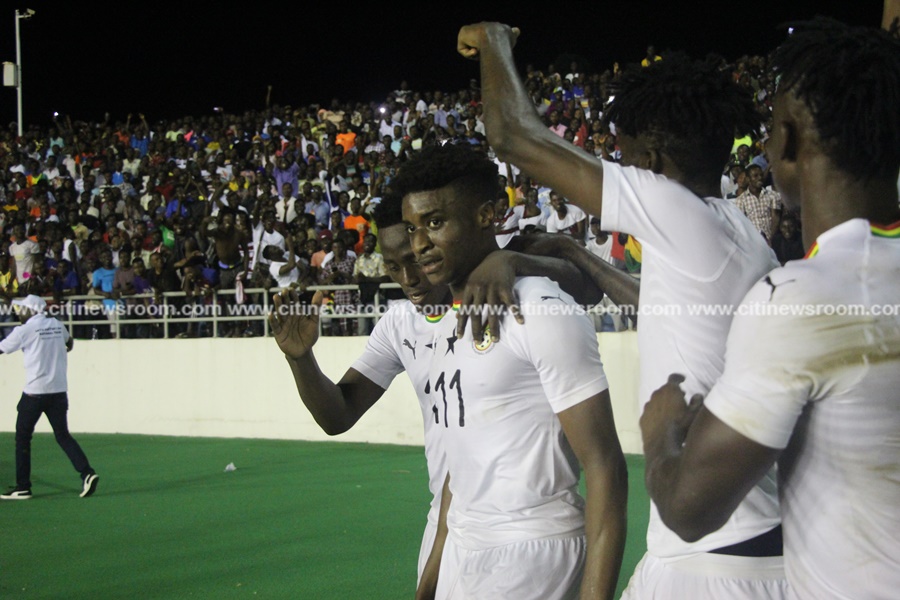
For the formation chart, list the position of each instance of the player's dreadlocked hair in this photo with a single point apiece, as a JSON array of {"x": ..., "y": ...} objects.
[
  {"x": 469, "y": 172},
  {"x": 849, "y": 77},
  {"x": 691, "y": 110},
  {"x": 388, "y": 212}
]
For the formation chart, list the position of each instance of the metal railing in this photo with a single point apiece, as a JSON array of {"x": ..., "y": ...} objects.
[{"x": 177, "y": 308}]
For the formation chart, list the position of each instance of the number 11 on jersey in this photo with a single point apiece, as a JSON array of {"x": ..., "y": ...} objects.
[{"x": 456, "y": 384}]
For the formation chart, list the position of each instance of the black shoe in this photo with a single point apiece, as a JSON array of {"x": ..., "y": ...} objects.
[
  {"x": 90, "y": 485},
  {"x": 16, "y": 494}
]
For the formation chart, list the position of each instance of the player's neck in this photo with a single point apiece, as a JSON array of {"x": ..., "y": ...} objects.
[
  {"x": 828, "y": 201},
  {"x": 479, "y": 253}
]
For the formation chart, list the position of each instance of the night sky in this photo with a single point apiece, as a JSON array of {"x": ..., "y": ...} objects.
[{"x": 84, "y": 59}]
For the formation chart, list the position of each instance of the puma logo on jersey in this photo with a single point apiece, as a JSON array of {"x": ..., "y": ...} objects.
[
  {"x": 769, "y": 281},
  {"x": 543, "y": 298},
  {"x": 410, "y": 346}
]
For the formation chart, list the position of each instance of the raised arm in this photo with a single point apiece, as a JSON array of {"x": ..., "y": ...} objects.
[
  {"x": 336, "y": 407},
  {"x": 515, "y": 131},
  {"x": 292, "y": 258}
]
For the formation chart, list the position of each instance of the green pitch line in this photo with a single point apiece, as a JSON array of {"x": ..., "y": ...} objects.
[{"x": 295, "y": 520}]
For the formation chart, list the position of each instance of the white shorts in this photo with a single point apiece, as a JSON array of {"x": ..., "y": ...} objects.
[
  {"x": 425, "y": 549},
  {"x": 547, "y": 569},
  {"x": 708, "y": 577}
]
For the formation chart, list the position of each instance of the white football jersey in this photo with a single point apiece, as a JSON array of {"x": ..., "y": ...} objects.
[
  {"x": 513, "y": 475},
  {"x": 813, "y": 367},
  {"x": 397, "y": 344},
  {"x": 700, "y": 256}
]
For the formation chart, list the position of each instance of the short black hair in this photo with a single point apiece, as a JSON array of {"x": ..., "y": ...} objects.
[
  {"x": 388, "y": 212},
  {"x": 691, "y": 109},
  {"x": 467, "y": 171},
  {"x": 849, "y": 77}
]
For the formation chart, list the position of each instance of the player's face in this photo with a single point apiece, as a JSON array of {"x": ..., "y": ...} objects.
[
  {"x": 445, "y": 233},
  {"x": 402, "y": 267}
]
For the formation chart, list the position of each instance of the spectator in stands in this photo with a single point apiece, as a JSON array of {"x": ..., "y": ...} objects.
[
  {"x": 67, "y": 282},
  {"x": 761, "y": 205},
  {"x": 102, "y": 280},
  {"x": 787, "y": 241},
  {"x": 357, "y": 222},
  {"x": 25, "y": 252},
  {"x": 369, "y": 272},
  {"x": 339, "y": 271},
  {"x": 565, "y": 218}
]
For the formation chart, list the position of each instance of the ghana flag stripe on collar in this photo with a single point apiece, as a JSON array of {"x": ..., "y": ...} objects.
[
  {"x": 888, "y": 231},
  {"x": 885, "y": 231},
  {"x": 437, "y": 318}
]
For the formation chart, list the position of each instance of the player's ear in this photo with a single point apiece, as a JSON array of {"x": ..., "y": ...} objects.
[
  {"x": 788, "y": 141},
  {"x": 486, "y": 215},
  {"x": 652, "y": 160}
]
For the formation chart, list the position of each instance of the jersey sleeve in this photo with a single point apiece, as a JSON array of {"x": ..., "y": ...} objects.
[
  {"x": 560, "y": 341},
  {"x": 770, "y": 367},
  {"x": 380, "y": 361},
  {"x": 664, "y": 215}
]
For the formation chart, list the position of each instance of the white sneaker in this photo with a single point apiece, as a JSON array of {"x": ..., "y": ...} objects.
[
  {"x": 90, "y": 485},
  {"x": 16, "y": 494}
]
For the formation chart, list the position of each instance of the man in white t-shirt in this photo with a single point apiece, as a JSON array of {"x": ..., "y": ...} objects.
[
  {"x": 25, "y": 253},
  {"x": 285, "y": 270},
  {"x": 45, "y": 342},
  {"x": 600, "y": 244},
  {"x": 697, "y": 250},
  {"x": 565, "y": 218},
  {"x": 811, "y": 371},
  {"x": 518, "y": 416}
]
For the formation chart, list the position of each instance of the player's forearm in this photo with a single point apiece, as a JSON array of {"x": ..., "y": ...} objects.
[
  {"x": 622, "y": 288},
  {"x": 518, "y": 135},
  {"x": 605, "y": 528},
  {"x": 322, "y": 397},
  {"x": 428, "y": 582},
  {"x": 510, "y": 121},
  {"x": 559, "y": 270}
]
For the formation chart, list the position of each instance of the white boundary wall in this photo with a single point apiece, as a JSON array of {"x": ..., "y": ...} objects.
[{"x": 243, "y": 388}]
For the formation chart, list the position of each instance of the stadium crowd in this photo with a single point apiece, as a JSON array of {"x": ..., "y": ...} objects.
[{"x": 128, "y": 210}]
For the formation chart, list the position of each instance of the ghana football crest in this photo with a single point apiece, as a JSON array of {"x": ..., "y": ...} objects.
[{"x": 486, "y": 344}]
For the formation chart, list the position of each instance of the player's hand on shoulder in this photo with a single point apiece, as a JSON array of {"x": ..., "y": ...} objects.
[
  {"x": 295, "y": 326},
  {"x": 667, "y": 417},
  {"x": 489, "y": 295}
]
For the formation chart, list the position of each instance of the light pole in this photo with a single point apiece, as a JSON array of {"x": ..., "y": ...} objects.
[{"x": 20, "y": 15}]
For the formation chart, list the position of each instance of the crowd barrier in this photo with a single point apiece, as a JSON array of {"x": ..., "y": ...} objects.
[{"x": 243, "y": 388}]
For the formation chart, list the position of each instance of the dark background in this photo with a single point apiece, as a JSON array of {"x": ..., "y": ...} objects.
[{"x": 170, "y": 60}]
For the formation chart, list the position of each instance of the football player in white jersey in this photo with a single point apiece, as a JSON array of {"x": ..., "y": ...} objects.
[
  {"x": 812, "y": 364},
  {"x": 697, "y": 250},
  {"x": 391, "y": 349},
  {"x": 400, "y": 342},
  {"x": 519, "y": 416}
]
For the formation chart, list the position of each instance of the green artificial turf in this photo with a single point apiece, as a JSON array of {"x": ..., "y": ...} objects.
[{"x": 296, "y": 519}]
